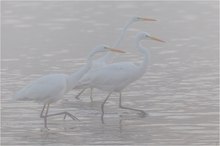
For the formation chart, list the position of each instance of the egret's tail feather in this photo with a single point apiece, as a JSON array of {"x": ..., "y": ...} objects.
[
  {"x": 18, "y": 97},
  {"x": 21, "y": 95}
]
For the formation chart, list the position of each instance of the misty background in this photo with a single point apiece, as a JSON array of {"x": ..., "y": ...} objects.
[{"x": 179, "y": 91}]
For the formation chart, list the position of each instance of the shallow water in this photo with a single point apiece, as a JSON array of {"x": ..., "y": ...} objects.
[{"x": 179, "y": 91}]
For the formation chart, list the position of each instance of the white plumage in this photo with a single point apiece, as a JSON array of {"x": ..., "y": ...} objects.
[
  {"x": 46, "y": 89},
  {"x": 115, "y": 77},
  {"x": 52, "y": 87},
  {"x": 108, "y": 58},
  {"x": 105, "y": 78}
]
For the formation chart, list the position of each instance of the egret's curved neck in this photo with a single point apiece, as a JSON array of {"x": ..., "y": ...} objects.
[
  {"x": 76, "y": 76},
  {"x": 118, "y": 41},
  {"x": 146, "y": 55},
  {"x": 109, "y": 56}
]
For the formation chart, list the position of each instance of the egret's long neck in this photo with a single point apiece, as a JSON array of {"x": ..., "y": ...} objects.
[
  {"x": 109, "y": 56},
  {"x": 76, "y": 76},
  {"x": 118, "y": 41},
  {"x": 146, "y": 55}
]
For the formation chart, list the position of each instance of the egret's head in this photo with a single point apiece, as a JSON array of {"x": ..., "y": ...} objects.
[
  {"x": 145, "y": 35},
  {"x": 136, "y": 18}
]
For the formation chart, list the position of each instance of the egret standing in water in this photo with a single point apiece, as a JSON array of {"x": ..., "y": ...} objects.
[
  {"x": 108, "y": 58},
  {"x": 115, "y": 77},
  {"x": 50, "y": 88}
]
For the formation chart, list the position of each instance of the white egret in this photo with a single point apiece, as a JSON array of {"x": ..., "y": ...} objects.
[
  {"x": 50, "y": 88},
  {"x": 108, "y": 58},
  {"x": 115, "y": 77}
]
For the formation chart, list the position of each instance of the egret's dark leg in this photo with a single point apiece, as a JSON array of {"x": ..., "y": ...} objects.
[
  {"x": 91, "y": 90},
  {"x": 103, "y": 106},
  {"x": 41, "y": 114},
  {"x": 105, "y": 102},
  {"x": 45, "y": 117},
  {"x": 120, "y": 105},
  {"x": 65, "y": 114},
  {"x": 77, "y": 96},
  {"x": 62, "y": 113},
  {"x": 50, "y": 115}
]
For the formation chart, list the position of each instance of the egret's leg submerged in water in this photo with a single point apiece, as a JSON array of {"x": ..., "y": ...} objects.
[
  {"x": 83, "y": 90},
  {"x": 41, "y": 114},
  {"x": 123, "y": 107},
  {"x": 50, "y": 115},
  {"x": 91, "y": 91},
  {"x": 77, "y": 96},
  {"x": 103, "y": 107},
  {"x": 44, "y": 116}
]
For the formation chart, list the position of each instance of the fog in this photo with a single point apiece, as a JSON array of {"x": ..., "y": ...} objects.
[{"x": 179, "y": 91}]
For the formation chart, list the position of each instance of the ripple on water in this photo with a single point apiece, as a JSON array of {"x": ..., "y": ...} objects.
[{"x": 179, "y": 91}]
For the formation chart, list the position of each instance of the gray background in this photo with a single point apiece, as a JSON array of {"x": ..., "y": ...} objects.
[{"x": 179, "y": 91}]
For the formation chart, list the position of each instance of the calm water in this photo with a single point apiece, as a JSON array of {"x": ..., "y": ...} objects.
[{"x": 179, "y": 91}]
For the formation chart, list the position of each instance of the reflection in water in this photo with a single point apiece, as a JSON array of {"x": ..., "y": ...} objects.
[{"x": 179, "y": 91}]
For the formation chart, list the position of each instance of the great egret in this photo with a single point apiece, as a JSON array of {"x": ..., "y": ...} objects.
[
  {"x": 115, "y": 77},
  {"x": 50, "y": 88},
  {"x": 108, "y": 58}
]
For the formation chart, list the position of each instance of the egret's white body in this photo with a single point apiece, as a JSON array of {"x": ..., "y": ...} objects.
[
  {"x": 108, "y": 58},
  {"x": 46, "y": 89},
  {"x": 50, "y": 88},
  {"x": 115, "y": 77},
  {"x": 105, "y": 78}
]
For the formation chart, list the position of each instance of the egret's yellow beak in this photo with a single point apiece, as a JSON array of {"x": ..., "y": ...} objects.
[
  {"x": 116, "y": 50},
  {"x": 156, "y": 39},
  {"x": 147, "y": 19}
]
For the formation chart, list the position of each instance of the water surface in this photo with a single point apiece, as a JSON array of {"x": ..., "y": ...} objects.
[{"x": 179, "y": 91}]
